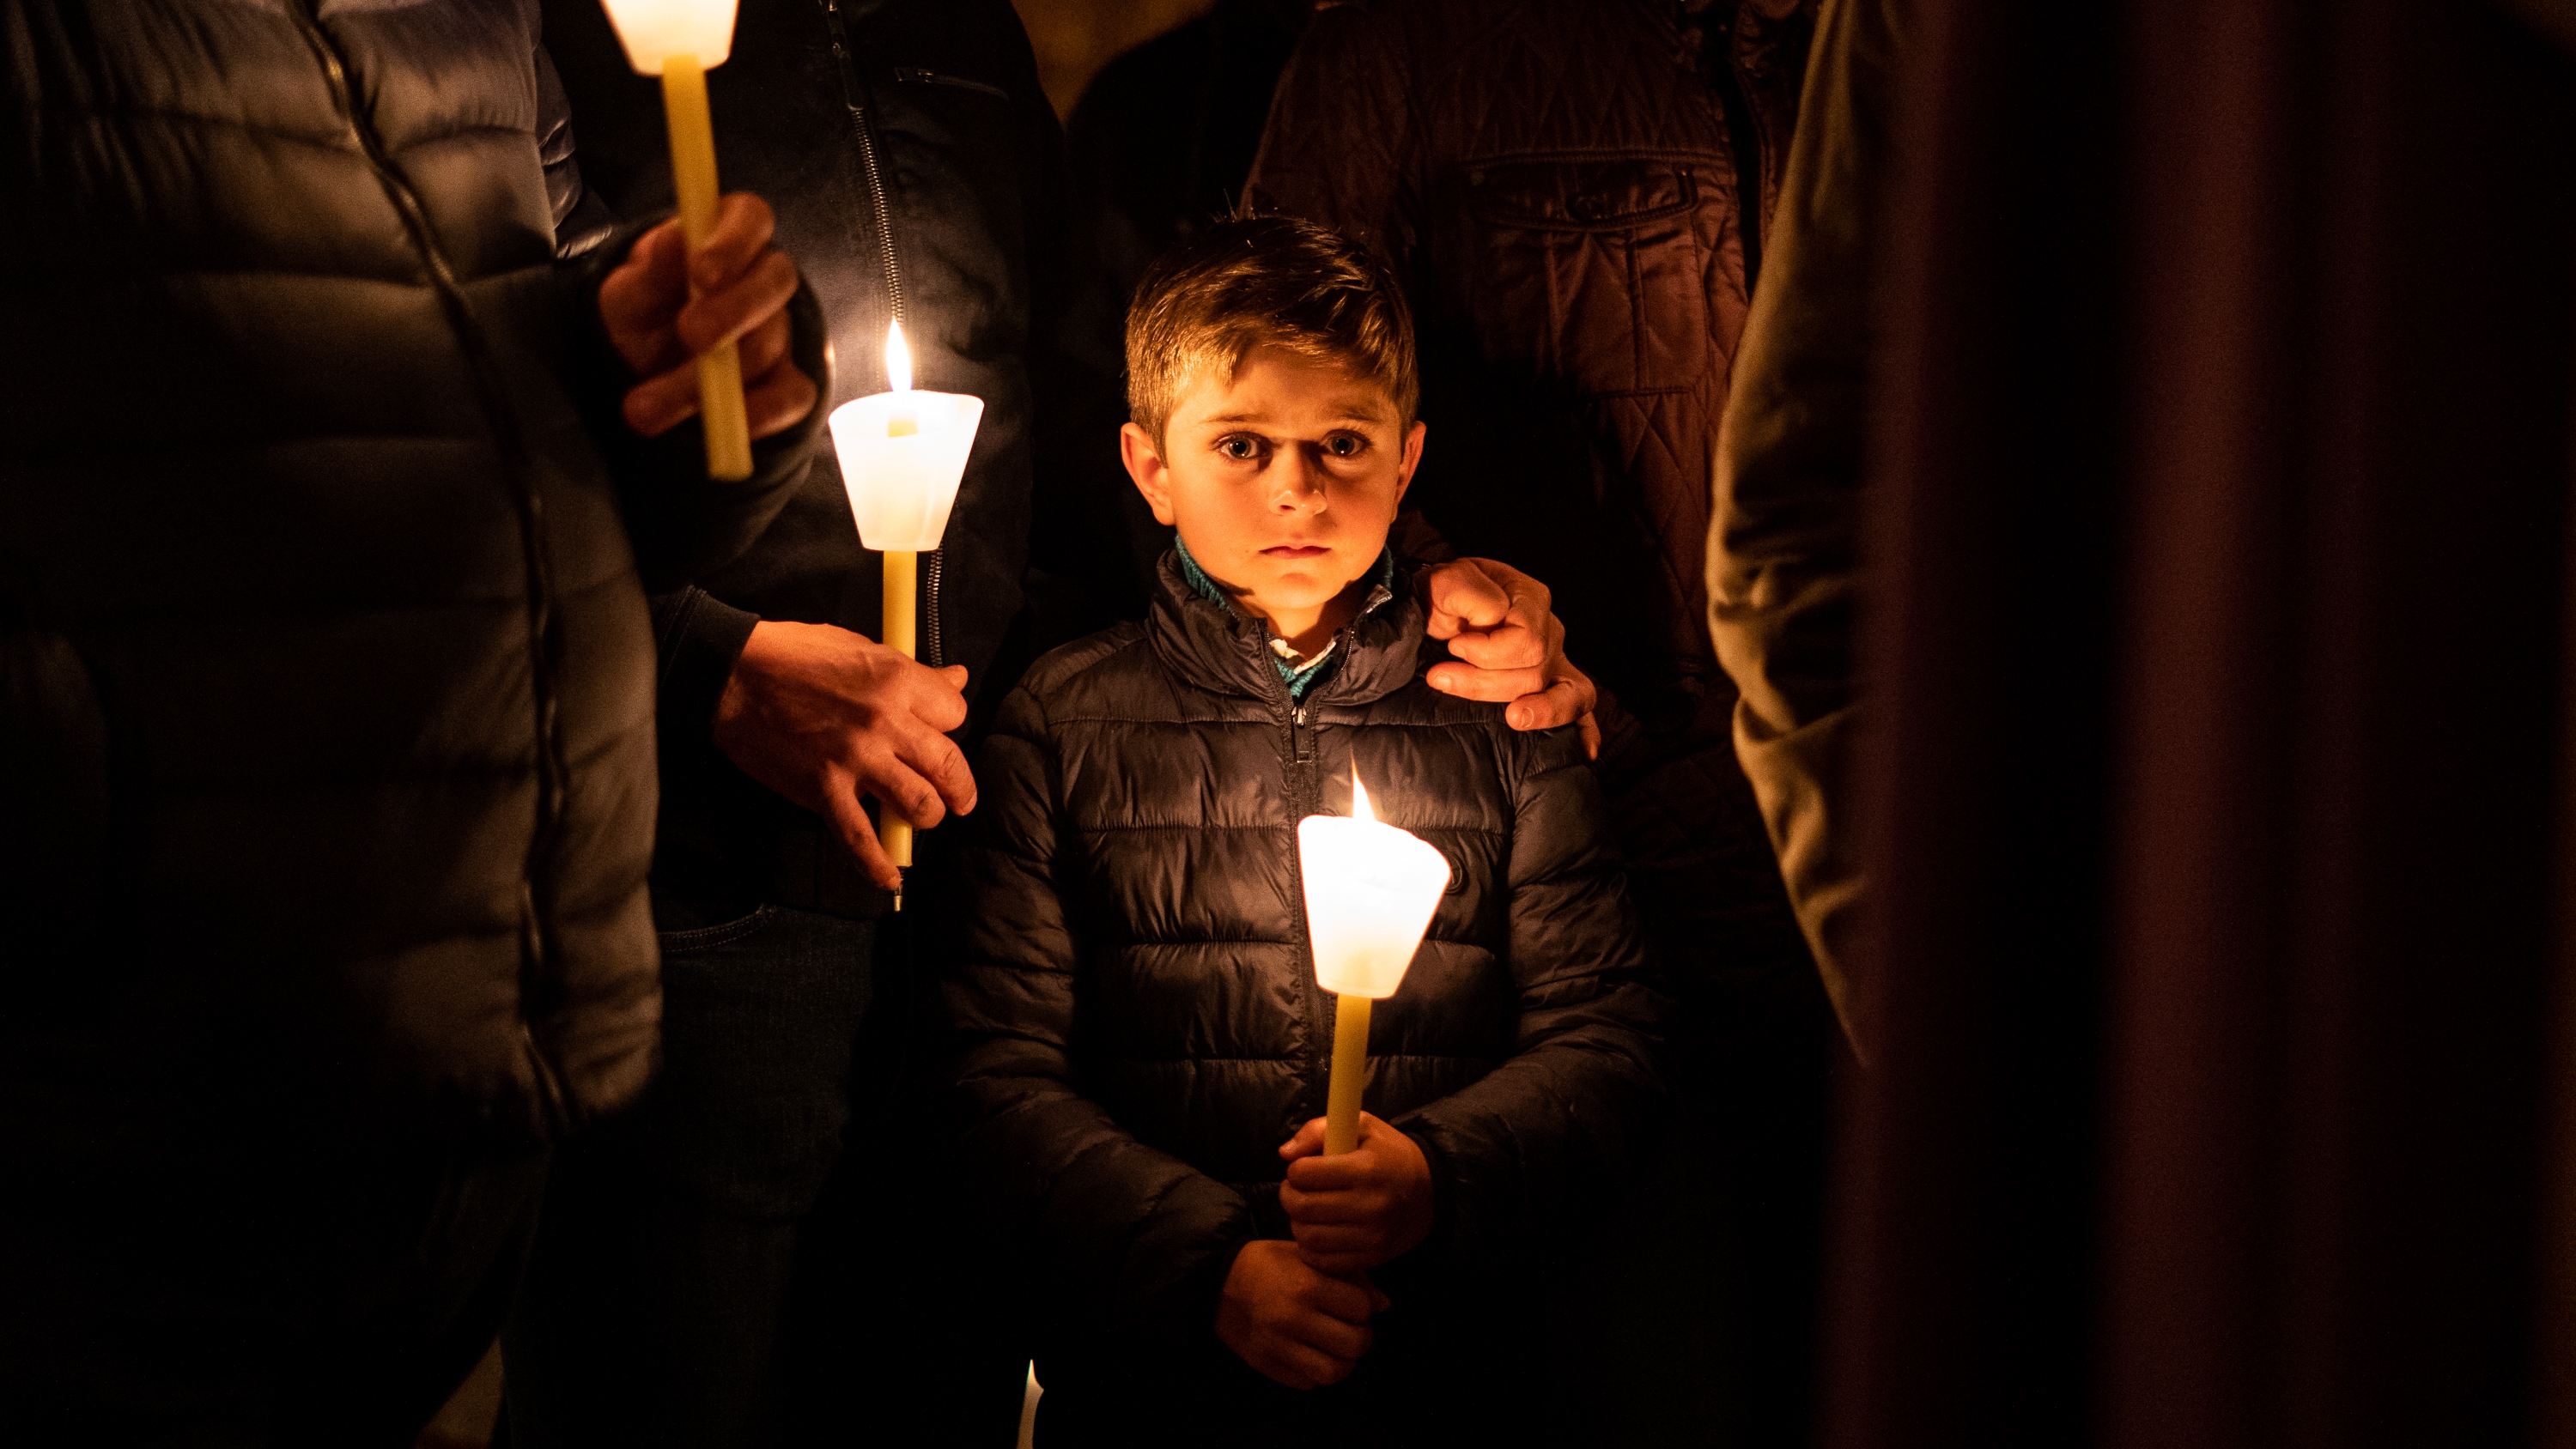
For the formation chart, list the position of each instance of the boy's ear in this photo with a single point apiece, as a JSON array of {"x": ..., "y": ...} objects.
[
  {"x": 1145, "y": 464},
  {"x": 1411, "y": 458}
]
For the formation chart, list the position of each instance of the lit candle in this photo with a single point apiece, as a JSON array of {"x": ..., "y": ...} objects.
[
  {"x": 903, "y": 453},
  {"x": 1371, "y": 890},
  {"x": 677, "y": 40}
]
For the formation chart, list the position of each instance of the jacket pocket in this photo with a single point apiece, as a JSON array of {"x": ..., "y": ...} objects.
[
  {"x": 723, "y": 933},
  {"x": 1596, "y": 269}
]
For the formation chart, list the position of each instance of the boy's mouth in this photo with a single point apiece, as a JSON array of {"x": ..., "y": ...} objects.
[{"x": 1296, "y": 550}]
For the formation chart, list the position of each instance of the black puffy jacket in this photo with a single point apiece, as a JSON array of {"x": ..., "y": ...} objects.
[
  {"x": 1141, "y": 1019},
  {"x": 326, "y": 679}
]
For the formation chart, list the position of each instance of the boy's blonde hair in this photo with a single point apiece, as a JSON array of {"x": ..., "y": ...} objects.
[{"x": 1264, "y": 280}]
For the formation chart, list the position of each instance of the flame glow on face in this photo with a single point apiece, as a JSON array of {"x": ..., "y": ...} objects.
[
  {"x": 898, "y": 360},
  {"x": 1359, "y": 799}
]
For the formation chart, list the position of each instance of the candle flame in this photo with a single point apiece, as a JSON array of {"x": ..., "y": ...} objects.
[
  {"x": 898, "y": 360},
  {"x": 1359, "y": 800}
]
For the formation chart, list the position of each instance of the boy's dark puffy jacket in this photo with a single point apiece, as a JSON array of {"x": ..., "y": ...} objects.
[{"x": 1142, "y": 1023}]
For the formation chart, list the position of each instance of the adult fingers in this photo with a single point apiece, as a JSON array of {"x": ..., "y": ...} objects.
[
  {"x": 1460, "y": 594},
  {"x": 780, "y": 401},
  {"x": 715, "y": 318},
  {"x": 1514, "y": 644},
  {"x": 936, "y": 697},
  {"x": 859, "y": 837},
  {"x": 660, "y": 403},
  {"x": 936, "y": 759},
  {"x": 638, "y": 299},
  {"x": 892, "y": 775},
  {"x": 1563, "y": 702},
  {"x": 663, "y": 402},
  {"x": 1494, "y": 686},
  {"x": 764, "y": 348},
  {"x": 1538, "y": 699},
  {"x": 744, "y": 226}
]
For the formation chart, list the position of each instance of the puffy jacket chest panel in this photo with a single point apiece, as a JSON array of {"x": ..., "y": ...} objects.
[{"x": 1200, "y": 1024}]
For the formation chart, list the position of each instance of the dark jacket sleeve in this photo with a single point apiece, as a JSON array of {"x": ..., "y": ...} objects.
[
  {"x": 1789, "y": 465},
  {"x": 1127, "y": 1240},
  {"x": 1569, "y": 1112}
]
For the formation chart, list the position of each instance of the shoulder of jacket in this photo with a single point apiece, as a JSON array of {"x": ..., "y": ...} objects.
[{"x": 1075, "y": 669}]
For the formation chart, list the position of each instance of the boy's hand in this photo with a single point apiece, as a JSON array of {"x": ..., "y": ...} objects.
[
  {"x": 1302, "y": 1328},
  {"x": 662, "y": 308},
  {"x": 1362, "y": 1208},
  {"x": 823, "y": 716},
  {"x": 1497, "y": 620}
]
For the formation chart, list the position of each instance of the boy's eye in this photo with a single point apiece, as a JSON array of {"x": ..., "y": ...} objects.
[
  {"x": 1345, "y": 445},
  {"x": 1240, "y": 449}
]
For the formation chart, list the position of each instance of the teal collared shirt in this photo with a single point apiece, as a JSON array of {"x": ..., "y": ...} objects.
[{"x": 1298, "y": 671}]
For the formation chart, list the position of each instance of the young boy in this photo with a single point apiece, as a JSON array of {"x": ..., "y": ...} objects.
[{"x": 1146, "y": 1045}]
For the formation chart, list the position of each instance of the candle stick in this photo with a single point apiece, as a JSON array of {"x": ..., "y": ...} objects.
[
  {"x": 677, "y": 39},
  {"x": 1370, "y": 890},
  {"x": 903, "y": 454}
]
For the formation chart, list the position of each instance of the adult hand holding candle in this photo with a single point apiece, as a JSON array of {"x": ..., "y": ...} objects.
[
  {"x": 903, "y": 454},
  {"x": 1370, "y": 891},
  {"x": 677, "y": 40}
]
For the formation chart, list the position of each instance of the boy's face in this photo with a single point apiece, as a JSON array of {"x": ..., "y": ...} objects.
[{"x": 1283, "y": 480}]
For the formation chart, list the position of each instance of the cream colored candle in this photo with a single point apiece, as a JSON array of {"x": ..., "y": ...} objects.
[
  {"x": 903, "y": 454},
  {"x": 1371, "y": 890},
  {"x": 677, "y": 40}
]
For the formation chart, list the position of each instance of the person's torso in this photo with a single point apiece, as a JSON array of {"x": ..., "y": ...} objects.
[{"x": 325, "y": 559}]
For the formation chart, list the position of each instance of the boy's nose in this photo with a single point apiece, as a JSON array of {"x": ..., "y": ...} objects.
[{"x": 1301, "y": 483}]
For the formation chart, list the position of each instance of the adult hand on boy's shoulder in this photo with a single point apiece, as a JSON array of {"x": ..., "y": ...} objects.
[
  {"x": 1362, "y": 1208},
  {"x": 822, "y": 716},
  {"x": 1290, "y": 1323},
  {"x": 1509, "y": 646}
]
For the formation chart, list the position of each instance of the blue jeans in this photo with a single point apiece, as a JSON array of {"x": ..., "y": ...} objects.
[{"x": 659, "y": 1302}]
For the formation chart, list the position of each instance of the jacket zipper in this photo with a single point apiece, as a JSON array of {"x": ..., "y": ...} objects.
[
  {"x": 936, "y": 655},
  {"x": 872, "y": 171},
  {"x": 863, "y": 125},
  {"x": 536, "y": 887},
  {"x": 1305, "y": 797}
]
